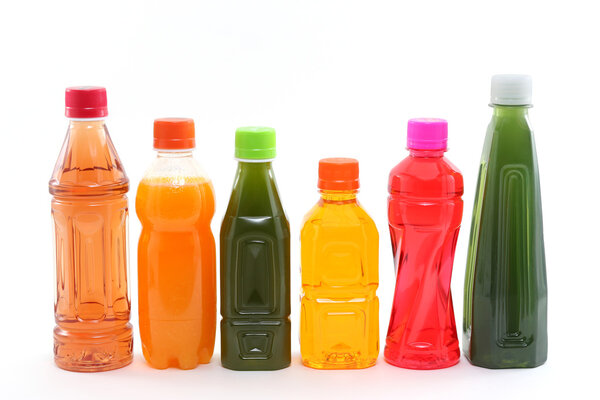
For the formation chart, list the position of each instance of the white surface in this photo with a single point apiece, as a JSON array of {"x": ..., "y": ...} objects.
[{"x": 335, "y": 79}]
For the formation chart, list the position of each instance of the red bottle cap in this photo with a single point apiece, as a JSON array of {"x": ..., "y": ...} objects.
[
  {"x": 174, "y": 134},
  {"x": 338, "y": 174},
  {"x": 85, "y": 102}
]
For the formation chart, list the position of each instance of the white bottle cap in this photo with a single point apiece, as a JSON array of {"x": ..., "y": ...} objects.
[{"x": 511, "y": 90}]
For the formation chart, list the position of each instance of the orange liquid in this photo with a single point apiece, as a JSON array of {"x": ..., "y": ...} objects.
[
  {"x": 176, "y": 271},
  {"x": 89, "y": 210}
]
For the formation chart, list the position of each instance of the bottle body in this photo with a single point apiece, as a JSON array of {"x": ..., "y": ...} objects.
[
  {"x": 90, "y": 214},
  {"x": 505, "y": 307},
  {"x": 255, "y": 274},
  {"x": 425, "y": 212},
  {"x": 176, "y": 263},
  {"x": 339, "y": 326}
]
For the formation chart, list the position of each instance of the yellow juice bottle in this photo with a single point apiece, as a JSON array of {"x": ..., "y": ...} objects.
[{"x": 339, "y": 327}]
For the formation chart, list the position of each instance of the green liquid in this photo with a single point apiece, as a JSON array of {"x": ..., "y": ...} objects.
[
  {"x": 255, "y": 274},
  {"x": 505, "y": 308}
]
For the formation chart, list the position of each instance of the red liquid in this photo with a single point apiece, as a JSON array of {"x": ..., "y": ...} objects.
[{"x": 424, "y": 210}]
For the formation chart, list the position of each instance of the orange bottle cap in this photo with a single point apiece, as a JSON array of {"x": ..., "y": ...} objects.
[
  {"x": 174, "y": 134},
  {"x": 338, "y": 174}
]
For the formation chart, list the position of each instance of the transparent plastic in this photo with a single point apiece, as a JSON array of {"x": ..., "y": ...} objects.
[
  {"x": 425, "y": 211},
  {"x": 255, "y": 273},
  {"x": 505, "y": 307},
  {"x": 176, "y": 263},
  {"x": 89, "y": 212},
  {"x": 339, "y": 326}
]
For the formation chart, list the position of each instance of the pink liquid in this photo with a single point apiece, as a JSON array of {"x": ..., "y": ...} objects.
[{"x": 424, "y": 210}]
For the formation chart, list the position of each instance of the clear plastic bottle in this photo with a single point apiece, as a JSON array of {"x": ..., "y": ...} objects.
[
  {"x": 176, "y": 253},
  {"x": 255, "y": 261},
  {"x": 425, "y": 212},
  {"x": 89, "y": 211},
  {"x": 506, "y": 296},
  {"x": 339, "y": 326}
]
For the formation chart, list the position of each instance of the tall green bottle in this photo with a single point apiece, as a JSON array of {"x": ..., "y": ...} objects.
[
  {"x": 505, "y": 307},
  {"x": 255, "y": 261}
]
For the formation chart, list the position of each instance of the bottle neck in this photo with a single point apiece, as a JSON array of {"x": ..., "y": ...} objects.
[
  {"x": 427, "y": 153},
  {"x": 255, "y": 175},
  {"x": 244, "y": 166},
  {"x": 161, "y": 153},
  {"x": 255, "y": 191},
  {"x": 80, "y": 125},
  {"x": 338, "y": 196},
  {"x": 510, "y": 111}
]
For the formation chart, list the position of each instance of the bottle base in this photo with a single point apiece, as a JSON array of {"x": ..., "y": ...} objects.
[
  {"x": 92, "y": 367},
  {"x": 329, "y": 365},
  {"x": 255, "y": 367},
  {"x": 181, "y": 361},
  {"x": 505, "y": 364},
  {"x": 422, "y": 365},
  {"x": 250, "y": 345},
  {"x": 85, "y": 352},
  {"x": 422, "y": 360}
]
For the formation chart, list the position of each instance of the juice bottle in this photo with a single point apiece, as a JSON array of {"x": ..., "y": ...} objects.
[
  {"x": 255, "y": 261},
  {"x": 176, "y": 253},
  {"x": 89, "y": 212},
  {"x": 339, "y": 326},
  {"x": 424, "y": 210},
  {"x": 505, "y": 307}
]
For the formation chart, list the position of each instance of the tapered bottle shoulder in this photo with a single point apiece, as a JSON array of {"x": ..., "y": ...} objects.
[
  {"x": 338, "y": 215},
  {"x": 426, "y": 177},
  {"x": 88, "y": 164}
]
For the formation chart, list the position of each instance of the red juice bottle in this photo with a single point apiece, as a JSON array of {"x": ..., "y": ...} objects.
[{"x": 424, "y": 211}]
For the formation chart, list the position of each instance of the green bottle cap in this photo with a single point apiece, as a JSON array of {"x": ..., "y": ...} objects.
[{"x": 255, "y": 143}]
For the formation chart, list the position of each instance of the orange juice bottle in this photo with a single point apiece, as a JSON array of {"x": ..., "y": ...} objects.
[
  {"x": 176, "y": 253},
  {"x": 89, "y": 212},
  {"x": 339, "y": 326}
]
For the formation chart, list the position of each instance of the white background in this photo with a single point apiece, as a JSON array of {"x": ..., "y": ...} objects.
[{"x": 335, "y": 78}]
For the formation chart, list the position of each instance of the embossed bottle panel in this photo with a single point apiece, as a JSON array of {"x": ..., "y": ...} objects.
[
  {"x": 255, "y": 326},
  {"x": 513, "y": 286},
  {"x": 92, "y": 305},
  {"x": 255, "y": 276},
  {"x": 339, "y": 307}
]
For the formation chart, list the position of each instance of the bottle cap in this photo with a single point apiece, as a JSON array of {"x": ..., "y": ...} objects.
[
  {"x": 85, "y": 102},
  {"x": 427, "y": 134},
  {"x": 255, "y": 143},
  {"x": 511, "y": 90},
  {"x": 174, "y": 134},
  {"x": 338, "y": 174}
]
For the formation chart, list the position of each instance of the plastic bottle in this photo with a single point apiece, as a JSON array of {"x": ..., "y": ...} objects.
[
  {"x": 176, "y": 253},
  {"x": 339, "y": 326},
  {"x": 425, "y": 211},
  {"x": 505, "y": 307},
  {"x": 89, "y": 211},
  {"x": 255, "y": 261}
]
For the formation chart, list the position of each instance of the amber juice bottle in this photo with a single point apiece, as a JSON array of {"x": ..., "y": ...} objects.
[{"x": 89, "y": 212}]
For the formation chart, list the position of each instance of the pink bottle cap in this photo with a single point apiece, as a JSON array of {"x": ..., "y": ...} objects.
[{"x": 427, "y": 134}]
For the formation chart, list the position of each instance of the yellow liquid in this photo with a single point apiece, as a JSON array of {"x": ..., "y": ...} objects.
[{"x": 339, "y": 327}]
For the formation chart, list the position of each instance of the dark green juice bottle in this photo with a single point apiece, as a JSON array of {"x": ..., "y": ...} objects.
[
  {"x": 505, "y": 308},
  {"x": 255, "y": 261}
]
